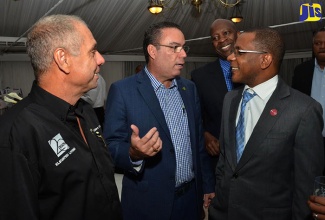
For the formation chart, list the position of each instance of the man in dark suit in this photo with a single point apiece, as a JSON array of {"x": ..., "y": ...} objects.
[
  {"x": 272, "y": 148},
  {"x": 153, "y": 128},
  {"x": 213, "y": 81},
  {"x": 309, "y": 77}
]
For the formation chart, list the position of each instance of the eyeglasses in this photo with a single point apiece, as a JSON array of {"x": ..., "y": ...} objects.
[
  {"x": 241, "y": 52},
  {"x": 177, "y": 49}
]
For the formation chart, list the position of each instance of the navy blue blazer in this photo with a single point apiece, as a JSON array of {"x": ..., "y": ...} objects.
[{"x": 149, "y": 193}]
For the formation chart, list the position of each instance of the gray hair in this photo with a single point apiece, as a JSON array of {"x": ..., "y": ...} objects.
[{"x": 50, "y": 33}]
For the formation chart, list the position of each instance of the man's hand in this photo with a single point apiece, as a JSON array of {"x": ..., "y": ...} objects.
[
  {"x": 207, "y": 199},
  {"x": 211, "y": 144},
  {"x": 317, "y": 206},
  {"x": 147, "y": 146}
]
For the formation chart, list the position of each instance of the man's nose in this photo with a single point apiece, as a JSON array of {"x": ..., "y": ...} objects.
[{"x": 231, "y": 57}]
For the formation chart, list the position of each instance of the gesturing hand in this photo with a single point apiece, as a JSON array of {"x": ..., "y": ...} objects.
[{"x": 147, "y": 146}]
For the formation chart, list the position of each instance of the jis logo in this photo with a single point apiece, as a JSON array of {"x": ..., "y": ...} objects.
[{"x": 310, "y": 12}]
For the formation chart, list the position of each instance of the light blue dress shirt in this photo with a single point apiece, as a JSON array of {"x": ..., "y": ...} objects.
[{"x": 174, "y": 111}]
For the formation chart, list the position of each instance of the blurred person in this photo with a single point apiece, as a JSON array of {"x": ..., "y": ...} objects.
[
  {"x": 138, "y": 68},
  {"x": 309, "y": 77},
  {"x": 53, "y": 162},
  {"x": 272, "y": 147},
  {"x": 96, "y": 98},
  {"x": 154, "y": 132},
  {"x": 213, "y": 81}
]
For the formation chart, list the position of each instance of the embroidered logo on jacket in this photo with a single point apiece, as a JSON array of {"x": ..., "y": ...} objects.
[{"x": 58, "y": 145}]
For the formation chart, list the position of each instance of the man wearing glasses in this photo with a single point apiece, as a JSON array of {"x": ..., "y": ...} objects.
[
  {"x": 154, "y": 132},
  {"x": 271, "y": 138}
]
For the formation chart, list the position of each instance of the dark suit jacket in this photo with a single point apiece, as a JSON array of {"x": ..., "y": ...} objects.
[
  {"x": 303, "y": 76},
  {"x": 212, "y": 88},
  {"x": 149, "y": 193},
  {"x": 276, "y": 172}
]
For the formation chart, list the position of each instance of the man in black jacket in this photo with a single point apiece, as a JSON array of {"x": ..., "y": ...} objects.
[
  {"x": 309, "y": 77},
  {"x": 53, "y": 161},
  {"x": 213, "y": 81}
]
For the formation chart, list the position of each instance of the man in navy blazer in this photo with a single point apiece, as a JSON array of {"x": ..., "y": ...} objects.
[
  {"x": 213, "y": 81},
  {"x": 154, "y": 132},
  {"x": 266, "y": 169}
]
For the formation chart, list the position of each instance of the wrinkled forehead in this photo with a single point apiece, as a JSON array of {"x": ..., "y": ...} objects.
[
  {"x": 221, "y": 27},
  {"x": 172, "y": 35},
  {"x": 320, "y": 36}
]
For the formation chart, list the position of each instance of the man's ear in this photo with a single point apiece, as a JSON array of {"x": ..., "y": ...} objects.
[
  {"x": 152, "y": 51},
  {"x": 266, "y": 60},
  {"x": 61, "y": 58}
]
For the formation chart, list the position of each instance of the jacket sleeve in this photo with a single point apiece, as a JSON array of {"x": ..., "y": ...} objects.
[
  {"x": 117, "y": 133},
  {"x": 308, "y": 158},
  {"x": 19, "y": 177}
]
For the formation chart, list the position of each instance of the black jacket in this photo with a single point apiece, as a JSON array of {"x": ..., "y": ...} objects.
[{"x": 47, "y": 170}]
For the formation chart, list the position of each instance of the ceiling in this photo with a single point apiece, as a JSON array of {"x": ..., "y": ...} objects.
[{"x": 119, "y": 25}]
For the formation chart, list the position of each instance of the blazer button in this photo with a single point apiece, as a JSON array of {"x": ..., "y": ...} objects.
[{"x": 235, "y": 175}]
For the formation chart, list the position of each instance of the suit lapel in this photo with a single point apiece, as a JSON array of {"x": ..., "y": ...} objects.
[
  {"x": 146, "y": 90},
  {"x": 265, "y": 122}
]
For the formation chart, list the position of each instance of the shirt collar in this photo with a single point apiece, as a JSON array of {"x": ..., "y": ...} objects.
[
  {"x": 266, "y": 88},
  {"x": 318, "y": 67},
  {"x": 155, "y": 83},
  {"x": 57, "y": 106}
]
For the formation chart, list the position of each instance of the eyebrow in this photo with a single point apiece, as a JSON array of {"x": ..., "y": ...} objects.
[
  {"x": 174, "y": 44},
  {"x": 94, "y": 47}
]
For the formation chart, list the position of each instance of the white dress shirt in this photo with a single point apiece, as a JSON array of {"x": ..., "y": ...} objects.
[{"x": 256, "y": 105}]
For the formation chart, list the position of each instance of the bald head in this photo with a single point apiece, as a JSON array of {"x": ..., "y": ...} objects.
[
  {"x": 223, "y": 34},
  {"x": 223, "y": 22}
]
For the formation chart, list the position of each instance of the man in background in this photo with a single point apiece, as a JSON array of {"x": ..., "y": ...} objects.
[
  {"x": 138, "y": 68},
  {"x": 213, "y": 81},
  {"x": 53, "y": 161},
  {"x": 271, "y": 142},
  {"x": 96, "y": 98},
  {"x": 154, "y": 132},
  {"x": 309, "y": 77}
]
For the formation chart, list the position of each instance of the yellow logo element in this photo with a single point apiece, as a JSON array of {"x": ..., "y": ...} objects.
[{"x": 310, "y": 12}]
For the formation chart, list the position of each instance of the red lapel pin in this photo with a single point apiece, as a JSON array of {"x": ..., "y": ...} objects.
[{"x": 273, "y": 112}]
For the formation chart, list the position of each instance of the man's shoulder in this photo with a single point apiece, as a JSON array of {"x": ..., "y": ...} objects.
[
  {"x": 305, "y": 65},
  {"x": 8, "y": 119}
]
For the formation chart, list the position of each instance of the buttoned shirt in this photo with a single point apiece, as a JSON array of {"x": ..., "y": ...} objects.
[
  {"x": 225, "y": 66},
  {"x": 50, "y": 169},
  {"x": 256, "y": 105},
  {"x": 174, "y": 111}
]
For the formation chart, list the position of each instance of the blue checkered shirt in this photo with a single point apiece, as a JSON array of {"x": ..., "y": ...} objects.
[
  {"x": 174, "y": 110},
  {"x": 225, "y": 65}
]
